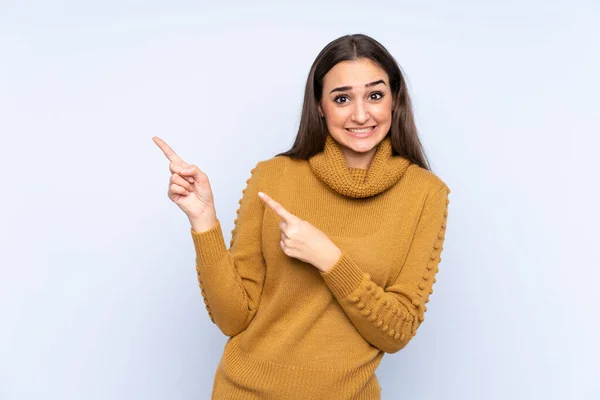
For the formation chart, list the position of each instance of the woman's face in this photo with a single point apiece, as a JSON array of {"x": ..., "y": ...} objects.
[{"x": 357, "y": 96}]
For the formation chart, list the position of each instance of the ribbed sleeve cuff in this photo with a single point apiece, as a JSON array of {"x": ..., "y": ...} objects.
[
  {"x": 344, "y": 277},
  {"x": 210, "y": 245}
]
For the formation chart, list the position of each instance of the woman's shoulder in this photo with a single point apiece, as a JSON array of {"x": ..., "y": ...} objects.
[
  {"x": 273, "y": 169},
  {"x": 424, "y": 180},
  {"x": 277, "y": 165},
  {"x": 276, "y": 162}
]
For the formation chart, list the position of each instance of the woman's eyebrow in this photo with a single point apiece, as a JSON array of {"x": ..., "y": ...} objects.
[{"x": 347, "y": 88}]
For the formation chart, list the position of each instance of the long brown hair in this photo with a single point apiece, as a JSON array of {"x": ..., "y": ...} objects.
[{"x": 312, "y": 132}]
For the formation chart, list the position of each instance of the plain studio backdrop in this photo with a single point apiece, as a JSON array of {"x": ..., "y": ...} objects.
[{"x": 98, "y": 291}]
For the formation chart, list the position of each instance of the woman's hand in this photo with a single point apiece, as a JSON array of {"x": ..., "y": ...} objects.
[
  {"x": 189, "y": 187},
  {"x": 301, "y": 240}
]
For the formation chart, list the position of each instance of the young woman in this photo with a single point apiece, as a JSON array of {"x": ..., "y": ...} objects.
[{"x": 336, "y": 244}]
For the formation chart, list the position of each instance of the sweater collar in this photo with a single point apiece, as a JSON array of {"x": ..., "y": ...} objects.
[{"x": 329, "y": 166}]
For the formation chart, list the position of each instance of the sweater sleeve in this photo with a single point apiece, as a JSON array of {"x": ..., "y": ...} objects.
[
  {"x": 388, "y": 317},
  {"x": 231, "y": 280}
]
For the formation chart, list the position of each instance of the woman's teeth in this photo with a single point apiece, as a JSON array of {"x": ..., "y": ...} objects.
[{"x": 363, "y": 130}]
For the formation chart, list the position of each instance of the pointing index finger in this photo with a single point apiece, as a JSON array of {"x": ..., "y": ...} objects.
[
  {"x": 167, "y": 150},
  {"x": 278, "y": 208}
]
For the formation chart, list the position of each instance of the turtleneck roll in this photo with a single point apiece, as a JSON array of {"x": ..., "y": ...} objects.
[
  {"x": 330, "y": 168},
  {"x": 295, "y": 332}
]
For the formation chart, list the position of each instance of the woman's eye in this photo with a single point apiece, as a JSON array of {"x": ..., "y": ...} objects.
[
  {"x": 377, "y": 94},
  {"x": 340, "y": 97}
]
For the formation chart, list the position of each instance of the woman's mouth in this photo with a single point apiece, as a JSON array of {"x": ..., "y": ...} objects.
[{"x": 362, "y": 132}]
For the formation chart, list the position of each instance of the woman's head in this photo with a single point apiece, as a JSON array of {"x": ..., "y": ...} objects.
[
  {"x": 356, "y": 104},
  {"x": 356, "y": 83}
]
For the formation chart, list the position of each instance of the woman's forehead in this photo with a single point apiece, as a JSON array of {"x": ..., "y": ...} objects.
[{"x": 355, "y": 74}]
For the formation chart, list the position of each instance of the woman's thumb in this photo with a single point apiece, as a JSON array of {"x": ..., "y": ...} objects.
[{"x": 191, "y": 171}]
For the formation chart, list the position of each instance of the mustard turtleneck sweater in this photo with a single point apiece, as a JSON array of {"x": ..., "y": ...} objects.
[{"x": 296, "y": 332}]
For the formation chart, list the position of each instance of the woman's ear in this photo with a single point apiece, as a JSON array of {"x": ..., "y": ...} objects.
[{"x": 320, "y": 111}]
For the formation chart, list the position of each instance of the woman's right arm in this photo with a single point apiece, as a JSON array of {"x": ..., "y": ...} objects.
[{"x": 231, "y": 280}]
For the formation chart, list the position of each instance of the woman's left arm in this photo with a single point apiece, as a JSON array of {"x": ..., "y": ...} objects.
[{"x": 388, "y": 317}]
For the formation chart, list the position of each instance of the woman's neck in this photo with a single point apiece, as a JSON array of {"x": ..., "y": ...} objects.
[{"x": 358, "y": 160}]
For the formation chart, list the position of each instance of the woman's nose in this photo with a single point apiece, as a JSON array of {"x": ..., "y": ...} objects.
[{"x": 359, "y": 113}]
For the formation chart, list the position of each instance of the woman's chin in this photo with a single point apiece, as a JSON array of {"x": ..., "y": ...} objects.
[{"x": 361, "y": 145}]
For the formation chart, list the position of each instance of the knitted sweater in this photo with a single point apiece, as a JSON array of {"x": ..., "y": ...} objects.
[{"x": 296, "y": 332}]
